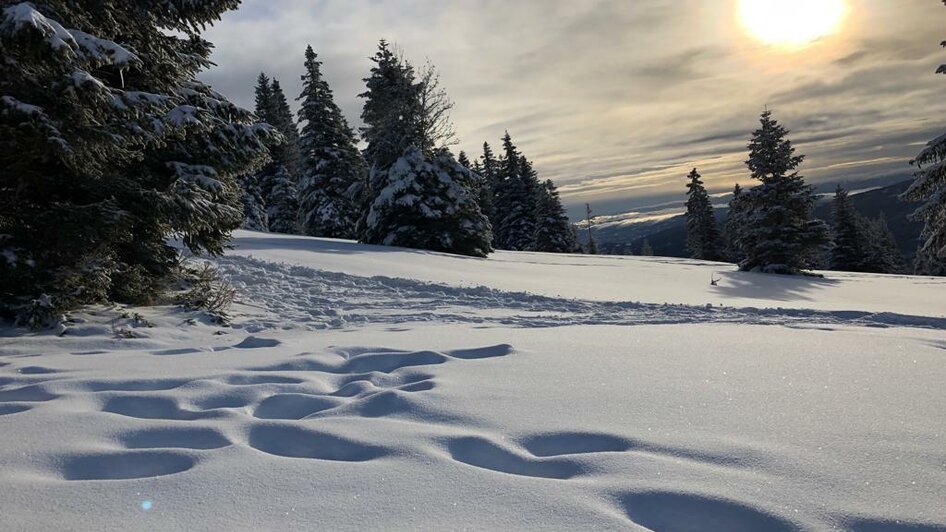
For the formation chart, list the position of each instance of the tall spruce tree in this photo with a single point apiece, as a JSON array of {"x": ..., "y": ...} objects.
[
  {"x": 108, "y": 146},
  {"x": 416, "y": 199},
  {"x": 883, "y": 253},
  {"x": 734, "y": 220},
  {"x": 703, "y": 239},
  {"x": 553, "y": 232},
  {"x": 777, "y": 233},
  {"x": 277, "y": 180},
  {"x": 488, "y": 172},
  {"x": 391, "y": 110},
  {"x": 849, "y": 235},
  {"x": 287, "y": 153},
  {"x": 515, "y": 200},
  {"x": 334, "y": 172},
  {"x": 929, "y": 187}
]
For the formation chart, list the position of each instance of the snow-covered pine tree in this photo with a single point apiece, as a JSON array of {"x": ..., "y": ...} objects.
[
  {"x": 417, "y": 199},
  {"x": 282, "y": 209},
  {"x": 254, "y": 208},
  {"x": 703, "y": 239},
  {"x": 334, "y": 172},
  {"x": 426, "y": 204},
  {"x": 553, "y": 232},
  {"x": 515, "y": 200},
  {"x": 108, "y": 146},
  {"x": 849, "y": 235},
  {"x": 777, "y": 233},
  {"x": 277, "y": 180},
  {"x": 929, "y": 187}
]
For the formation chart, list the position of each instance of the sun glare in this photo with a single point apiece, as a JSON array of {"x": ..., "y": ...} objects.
[{"x": 791, "y": 23}]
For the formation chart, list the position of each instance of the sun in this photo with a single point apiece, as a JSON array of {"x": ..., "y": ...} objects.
[{"x": 791, "y": 23}]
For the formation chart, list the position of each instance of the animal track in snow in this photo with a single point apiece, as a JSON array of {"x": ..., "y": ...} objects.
[
  {"x": 176, "y": 437},
  {"x": 292, "y": 441},
  {"x": 685, "y": 512},
  {"x": 144, "y": 407},
  {"x": 125, "y": 465},
  {"x": 487, "y": 454}
]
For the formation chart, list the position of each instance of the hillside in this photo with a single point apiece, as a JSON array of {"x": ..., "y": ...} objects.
[{"x": 367, "y": 387}]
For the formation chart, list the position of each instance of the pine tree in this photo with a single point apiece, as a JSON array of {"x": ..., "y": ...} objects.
[
  {"x": 426, "y": 204},
  {"x": 592, "y": 247},
  {"x": 777, "y": 233},
  {"x": 734, "y": 220},
  {"x": 391, "y": 110},
  {"x": 883, "y": 253},
  {"x": 334, "y": 171},
  {"x": 929, "y": 187},
  {"x": 553, "y": 233},
  {"x": 417, "y": 199},
  {"x": 515, "y": 200},
  {"x": 282, "y": 209},
  {"x": 646, "y": 249},
  {"x": 850, "y": 236},
  {"x": 287, "y": 153},
  {"x": 108, "y": 146},
  {"x": 254, "y": 208},
  {"x": 703, "y": 239},
  {"x": 487, "y": 196}
]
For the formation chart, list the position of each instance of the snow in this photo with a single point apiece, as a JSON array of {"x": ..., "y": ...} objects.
[
  {"x": 362, "y": 387},
  {"x": 609, "y": 278}
]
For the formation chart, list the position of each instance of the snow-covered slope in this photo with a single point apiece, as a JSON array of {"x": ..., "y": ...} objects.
[{"x": 402, "y": 390}]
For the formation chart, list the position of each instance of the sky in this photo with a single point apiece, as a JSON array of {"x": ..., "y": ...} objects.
[{"x": 616, "y": 100}]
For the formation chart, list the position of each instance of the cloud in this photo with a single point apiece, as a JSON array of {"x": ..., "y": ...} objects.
[{"x": 617, "y": 100}]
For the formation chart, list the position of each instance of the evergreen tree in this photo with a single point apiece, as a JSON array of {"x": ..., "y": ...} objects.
[
  {"x": 254, "y": 208},
  {"x": 417, "y": 199},
  {"x": 489, "y": 171},
  {"x": 929, "y": 187},
  {"x": 464, "y": 160},
  {"x": 777, "y": 233},
  {"x": 109, "y": 146},
  {"x": 734, "y": 220},
  {"x": 391, "y": 110},
  {"x": 425, "y": 204},
  {"x": 515, "y": 200},
  {"x": 272, "y": 107},
  {"x": 849, "y": 231},
  {"x": 646, "y": 249},
  {"x": 287, "y": 153},
  {"x": 883, "y": 253},
  {"x": 703, "y": 239},
  {"x": 553, "y": 233},
  {"x": 264, "y": 99},
  {"x": 282, "y": 209},
  {"x": 334, "y": 171}
]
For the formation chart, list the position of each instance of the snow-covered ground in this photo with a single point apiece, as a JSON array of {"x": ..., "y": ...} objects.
[{"x": 377, "y": 388}]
